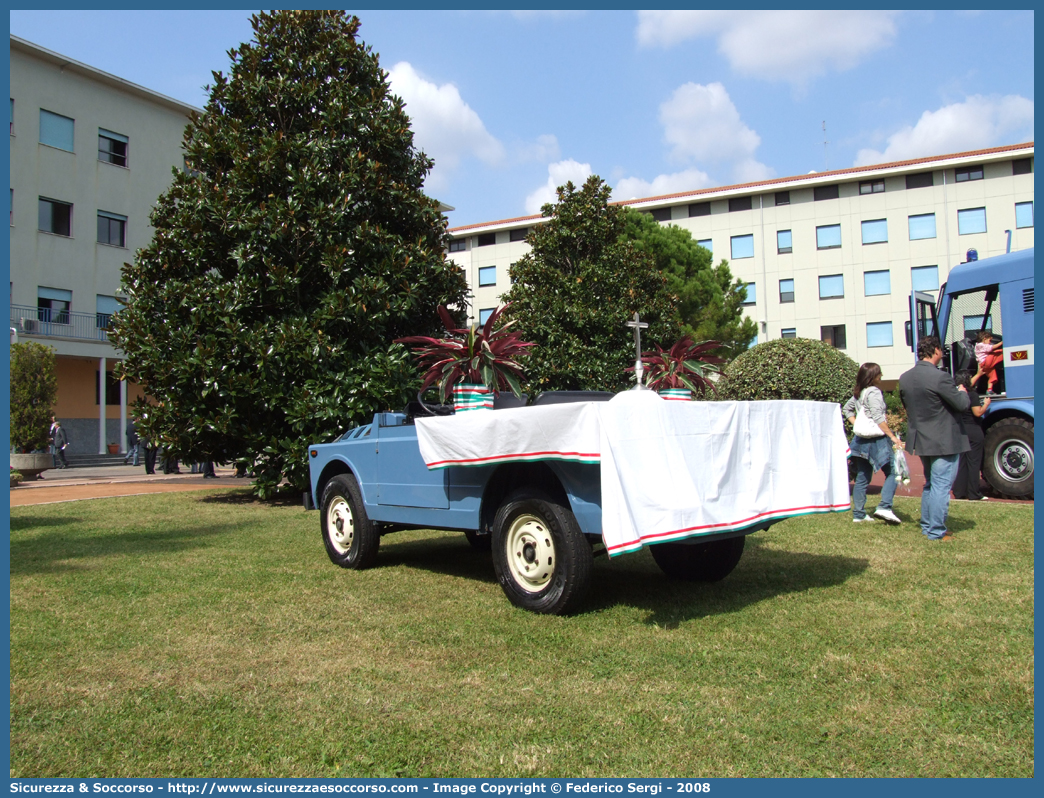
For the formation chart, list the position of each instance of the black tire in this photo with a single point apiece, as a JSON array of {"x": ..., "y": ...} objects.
[
  {"x": 351, "y": 539},
  {"x": 479, "y": 542},
  {"x": 542, "y": 559},
  {"x": 1007, "y": 459},
  {"x": 699, "y": 562}
]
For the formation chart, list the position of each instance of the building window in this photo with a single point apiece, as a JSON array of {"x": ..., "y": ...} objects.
[
  {"x": 828, "y": 236},
  {"x": 751, "y": 297},
  {"x": 699, "y": 209},
  {"x": 488, "y": 275},
  {"x": 825, "y": 192},
  {"x": 784, "y": 242},
  {"x": 106, "y": 308},
  {"x": 10, "y": 207},
  {"x": 782, "y": 197},
  {"x": 743, "y": 246},
  {"x": 661, "y": 214},
  {"x": 878, "y": 333},
  {"x": 875, "y": 231},
  {"x": 789, "y": 332},
  {"x": 740, "y": 204},
  {"x": 971, "y": 220},
  {"x": 1020, "y": 166},
  {"x": 968, "y": 173},
  {"x": 487, "y": 239},
  {"x": 786, "y": 291},
  {"x": 484, "y": 314},
  {"x": 872, "y": 186},
  {"x": 458, "y": 244},
  {"x": 753, "y": 342},
  {"x": 877, "y": 283},
  {"x": 55, "y": 217},
  {"x": 112, "y": 147},
  {"x": 833, "y": 335},
  {"x": 56, "y": 130},
  {"x": 831, "y": 286},
  {"x": 1024, "y": 214},
  {"x": 112, "y": 229},
  {"x": 112, "y": 388},
  {"x": 53, "y": 305},
  {"x": 519, "y": 234},
  {"x": 922, "y": 226},
  {"x": 707, "y": 244},
  {"x": 924, "y": 278},
  {"x": 920, "y": 180}
]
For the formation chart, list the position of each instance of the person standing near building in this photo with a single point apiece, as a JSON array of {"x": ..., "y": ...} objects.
[
  {"x": 150, "y": 457},
  {"x": 61, "y": 441},
  {"x": 936, "y": 435},
  {"x": 871, "y": 448},
  {"x": 132, "y": 443},
  {"x": 50, "y": 437}
]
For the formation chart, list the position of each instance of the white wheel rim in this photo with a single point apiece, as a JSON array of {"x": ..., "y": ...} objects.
[
  {"x": 1014, "y": 459},
  {"x": 340, "y": 526},
  {"x": 530, "y": 553}
]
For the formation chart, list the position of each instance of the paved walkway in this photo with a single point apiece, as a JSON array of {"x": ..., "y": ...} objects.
[{"x": 74, "y": 484}]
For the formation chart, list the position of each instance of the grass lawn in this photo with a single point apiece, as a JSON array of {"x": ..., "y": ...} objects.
[{"x": 208, "y": 635}]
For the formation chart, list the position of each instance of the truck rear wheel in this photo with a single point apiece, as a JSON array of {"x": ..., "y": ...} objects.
[
  {"x": 1008, "y": 457},
  {"x": 350, "y": 538},
  {"x": 699, "y": 562},
  {"x": 542, "y": 559}
]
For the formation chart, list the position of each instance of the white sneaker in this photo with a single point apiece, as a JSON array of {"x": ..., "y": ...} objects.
[
  {"x": 861, "y": 520},
  {"x": 886, "y": 515}
]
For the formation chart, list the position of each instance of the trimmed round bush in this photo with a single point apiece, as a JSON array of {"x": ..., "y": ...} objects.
[{"x": 790, "y": 368}]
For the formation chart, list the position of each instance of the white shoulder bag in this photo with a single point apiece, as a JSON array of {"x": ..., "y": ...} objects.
[{"x": 865, "y": 427}]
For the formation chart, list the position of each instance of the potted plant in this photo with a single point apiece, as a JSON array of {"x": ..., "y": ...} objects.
[
  {"x": 34, "y": 389},
  {"x": 472, "y": 363},
  {"x": 16, "y": 477},
  {"x": 113, "y": 447},
  {"x": 683, "y": 370}
]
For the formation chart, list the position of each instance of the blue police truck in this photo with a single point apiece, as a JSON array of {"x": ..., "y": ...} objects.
[{"x": 993, "y": 294}]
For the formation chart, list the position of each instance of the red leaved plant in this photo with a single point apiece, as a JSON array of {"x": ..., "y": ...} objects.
[
  {"x": 484, "y": 354},
  {"x": 685, "y": 365}
]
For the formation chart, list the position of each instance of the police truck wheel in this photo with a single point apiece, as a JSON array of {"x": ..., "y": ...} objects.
[
  {"x": 699, "y": 562},
  {"x": 542, "y": 560},
  {"x": 1008, "y": 457},
  {"x": 350, "y": 538}
]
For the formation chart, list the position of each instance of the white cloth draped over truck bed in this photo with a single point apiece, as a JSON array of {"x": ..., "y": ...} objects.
[{"x": 669, "y": 470}]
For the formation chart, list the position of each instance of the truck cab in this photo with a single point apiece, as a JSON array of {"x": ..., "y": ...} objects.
[{"x": 996, "y": 295}]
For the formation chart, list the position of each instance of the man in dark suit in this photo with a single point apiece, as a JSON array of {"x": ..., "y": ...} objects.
[{"x": 935, "y": 432}]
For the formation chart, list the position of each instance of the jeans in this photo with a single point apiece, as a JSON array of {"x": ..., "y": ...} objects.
[
  {"x": 939, "y": 473},
  {"x": 132, "y": 452},
  {"x": 864, "y": 473}
]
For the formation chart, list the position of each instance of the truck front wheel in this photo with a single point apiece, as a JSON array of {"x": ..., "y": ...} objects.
[
  {"x": 699, "y": 562},
  {"x": 350, "y": 538},
  {"x": 1008, "y": 457},
  {"x": 542, "y": 559}
]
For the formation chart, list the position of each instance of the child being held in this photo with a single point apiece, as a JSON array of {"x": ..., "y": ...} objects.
[{"x": 988, "y": 355}]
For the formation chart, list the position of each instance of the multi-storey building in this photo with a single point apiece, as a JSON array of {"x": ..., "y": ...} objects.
[
  {"x": 90, "y": 155},
  {"x": 830, "y": 255}
]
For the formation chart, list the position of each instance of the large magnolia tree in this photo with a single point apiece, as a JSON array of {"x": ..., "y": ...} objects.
[
  {"x": 573, "y": 293},
  {"x": 289, "y": 254}
]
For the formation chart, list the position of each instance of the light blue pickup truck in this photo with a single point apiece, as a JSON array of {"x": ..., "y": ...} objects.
[{"x": 542, "y": 519}]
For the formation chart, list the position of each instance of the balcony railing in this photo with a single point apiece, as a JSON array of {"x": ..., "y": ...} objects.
[{"x": 48, "y": 323}]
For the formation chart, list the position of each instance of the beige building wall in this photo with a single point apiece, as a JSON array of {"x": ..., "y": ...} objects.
[
  {"x": 999, "y": 189},
  {"x": 77, "y": 263}
]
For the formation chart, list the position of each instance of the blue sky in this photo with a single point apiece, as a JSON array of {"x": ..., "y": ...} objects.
[{"x": 510, "y": 104}]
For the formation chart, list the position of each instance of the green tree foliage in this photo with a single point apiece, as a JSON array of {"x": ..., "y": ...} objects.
[
  {"x": 287, "y": 258},
  {"x": 709, "y": 299},
  {"x": 34, "y": 387},
  {"x": 790, "y": 368},
  {"x": 576, "y": 288}
]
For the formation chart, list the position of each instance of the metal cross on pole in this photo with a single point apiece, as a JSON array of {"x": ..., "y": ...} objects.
[{"x": 638, "y": 326}]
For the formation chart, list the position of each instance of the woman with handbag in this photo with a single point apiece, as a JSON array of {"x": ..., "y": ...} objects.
[{"x": 872, "y": 445}]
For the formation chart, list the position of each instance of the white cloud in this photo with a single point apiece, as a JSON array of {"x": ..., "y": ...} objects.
[
  {"x": 544, "y": 149},
  {"x": 636, "y": 188},
  {"x": 444, "y": 126},
  {"x": 776, "y": 45},
  {"x": 976, "y": 123},
  {"x": 558, "y": 175}
]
